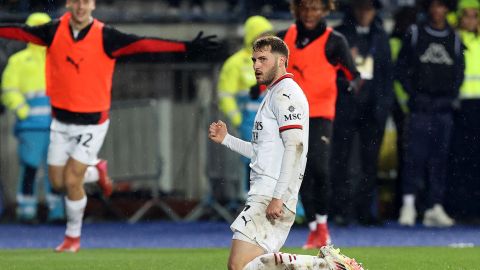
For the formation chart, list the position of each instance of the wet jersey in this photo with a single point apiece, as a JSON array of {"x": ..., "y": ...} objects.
[{"x": 284, "y": 107}]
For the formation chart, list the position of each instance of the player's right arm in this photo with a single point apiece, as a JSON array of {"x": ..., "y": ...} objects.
[
  {"x": 117, "y": 44},
  {"x": 41, "y": 35},
  {"x": 218, "y": 133}
]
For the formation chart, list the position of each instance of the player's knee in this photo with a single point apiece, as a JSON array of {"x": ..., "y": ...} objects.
[
  {"x": 73, "y": 182},
  {"x": 235, "y": 264}
]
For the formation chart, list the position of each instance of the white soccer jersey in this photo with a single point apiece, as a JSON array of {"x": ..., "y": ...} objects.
[{"x": 284, "y": 107}]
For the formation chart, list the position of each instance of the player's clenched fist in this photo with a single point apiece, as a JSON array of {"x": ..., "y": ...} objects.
[{"x": 217, "y": 131}]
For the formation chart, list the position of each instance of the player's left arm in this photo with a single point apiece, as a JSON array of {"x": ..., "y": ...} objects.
[
  {"x": 290, "y": 116},
  {"x": 41, "y": 34},
  {"x": 339, "y": 54},
  {"x": 117, "y": 44}
]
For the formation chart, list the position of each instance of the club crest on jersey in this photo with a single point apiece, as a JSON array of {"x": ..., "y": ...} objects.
[{"x": 291, "y": 108}]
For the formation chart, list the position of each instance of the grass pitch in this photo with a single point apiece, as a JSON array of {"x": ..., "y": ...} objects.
[{"x": 373, "y": 258}]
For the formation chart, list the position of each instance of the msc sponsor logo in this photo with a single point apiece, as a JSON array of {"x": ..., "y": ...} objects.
[{"x": 293, "y": 116}]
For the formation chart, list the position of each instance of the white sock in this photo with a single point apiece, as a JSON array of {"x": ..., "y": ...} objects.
[
  {"x": 312, "y": 226},
  {"x": 281, "y": 261},
  {"x": 91, "y": 175},
  {"x": 409, "y": 200},
  {"x": 321, "y": 219},
  {"x": 75, "y": 210}
]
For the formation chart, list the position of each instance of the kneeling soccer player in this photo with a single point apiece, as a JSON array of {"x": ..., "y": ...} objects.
[{"x": 278, "y": 156}]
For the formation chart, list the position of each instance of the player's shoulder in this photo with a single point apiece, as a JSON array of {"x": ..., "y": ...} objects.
[
  {"x": 288, "y": 91},
  {"x": 287, "y": 86}
]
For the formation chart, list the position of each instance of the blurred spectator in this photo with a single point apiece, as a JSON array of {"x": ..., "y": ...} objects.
[
  {"x": 30, "y": 6},
  {"x": 23, "y": 85},
  {"x": 364, "y": 114},
  {"x": 430, "y": 68},
  {"x": 403, "y": 18},
  {"x": 316, "y": 54},
  {"x": 239, "y": 94},
  {"x": 267, "y": 7},
  {"x": 464, "y": 184}
]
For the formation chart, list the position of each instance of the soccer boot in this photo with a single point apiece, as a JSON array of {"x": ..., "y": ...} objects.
[
  {"x": 104, "y": 180},
  {"x": 338, "y": 261},
  {"x": 311, "y": 240},
  {"x": 437, "y": 217},
  {"x": 323, "y": 235},
  {"x": 69, "y": 244}
]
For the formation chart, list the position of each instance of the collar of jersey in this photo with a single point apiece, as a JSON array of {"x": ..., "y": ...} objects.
[{"x": 287, "y": 75}]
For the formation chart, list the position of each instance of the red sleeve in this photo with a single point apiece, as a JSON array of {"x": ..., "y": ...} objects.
[
  {"x": 117, "y": 44},
  {"x": 149, "y": 45},
  {"x": 21, "y": 33}
]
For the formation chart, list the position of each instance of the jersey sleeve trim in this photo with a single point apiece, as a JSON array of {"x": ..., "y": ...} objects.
[{"x": 290, "y": 127}]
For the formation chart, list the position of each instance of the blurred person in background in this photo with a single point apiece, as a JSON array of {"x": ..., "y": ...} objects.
[
  {"x": 364, "y": 114},
  {"x": 464, "y": 184},
  {"x": 430, "y": 67},
  {"x": 2, "y": 202},
  {"x": 316, "y": 73},
  {"x": 238, "y": 91},
  {"x": 81, "y": 55},
  {"x": 23, "y": 92}
]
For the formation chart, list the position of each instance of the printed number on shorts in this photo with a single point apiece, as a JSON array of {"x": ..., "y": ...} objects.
[{"x": 84, "y": 139}]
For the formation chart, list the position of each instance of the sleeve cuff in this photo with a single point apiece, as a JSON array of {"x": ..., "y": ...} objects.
[{"x": 227, "y": 139}]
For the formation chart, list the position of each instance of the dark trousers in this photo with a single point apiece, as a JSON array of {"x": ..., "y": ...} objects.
[
  {"x": 315, "y": 189},
  {"x": 463, "y": 183},
  {"x": 355, "y": 192},
  {"x": 427, "y": 141},
  {"x": 399, "y": 118}
]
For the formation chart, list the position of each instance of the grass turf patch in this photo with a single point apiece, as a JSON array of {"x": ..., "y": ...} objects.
[{"x": 373, "y": 258}]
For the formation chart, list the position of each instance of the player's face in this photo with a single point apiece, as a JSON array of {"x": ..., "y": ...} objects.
[
  {"x": 265, "y": 65},
  {"x": 81, "y": 10},
  {"x": 469, "y": 20},
  {"x": 310, "y": 13}
]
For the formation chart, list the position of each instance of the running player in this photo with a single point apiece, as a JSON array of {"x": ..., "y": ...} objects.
[{"x": 81, "y": 55}]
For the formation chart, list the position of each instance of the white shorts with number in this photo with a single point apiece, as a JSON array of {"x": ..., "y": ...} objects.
[
  {"x": 252, "y": 225},
  {"x": 80, "y": 142}
]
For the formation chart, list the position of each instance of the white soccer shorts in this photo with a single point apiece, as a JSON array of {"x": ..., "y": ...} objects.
[
  {"x": 80, "y": 142},
  {"x": 252, "y": 225}
]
